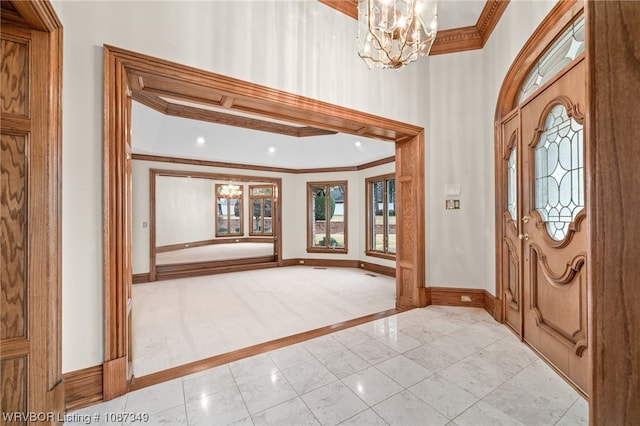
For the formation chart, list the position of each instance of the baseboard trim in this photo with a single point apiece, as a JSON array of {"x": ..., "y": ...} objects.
[
  {"x": 489, "y": 303},
  {"x": 141, "y": 278},
  {"x": 225, "y": 240},
  {"x": 83, "y": 387},
  {"x": 341, "y": 263},
  {"x": 378, "y": 269},
  {"x": 450, "y": 296},
  {"x": 114, "y": 382}
]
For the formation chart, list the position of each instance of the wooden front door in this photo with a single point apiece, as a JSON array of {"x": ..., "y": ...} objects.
[
  {"x": 544, "y": 227},
  {"x": 31, "y": 386}
]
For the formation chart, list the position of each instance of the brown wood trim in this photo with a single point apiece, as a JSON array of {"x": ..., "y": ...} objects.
[
  {"x": 171, "y": 272},
  {"x": 449, "y": 40},
  {"x": 230, "y": 240},
  {"x": 39, "y": 15},
  {"x": 240, "y": 199},
  {"x": 450, "y": 296},
  {"x": 489, "y": 18},
  {"x": 156, "y": 102},
  {"x": 389, "y": 271},
  {"x": 613, "y": 90},
  {"x": 216, "y": 176},
  {"x": 489, "y": 303},
  {"x": 114, "y": 378},
  {"x": 141, "y": 278},
  {"x": 376, "y": 163},
  {"x": 348, "y": 7},
  {"x": 310, "y": 247},
  {"x": 190, "y": 244},
  {"x": 83, "y": 387},
  {"x": 368, "y": 215},
  {"x": 215, "y": 361},
  {"x": 194, "y": 266},
  {"x": 119, "y": 66},
  {"x": 456, "y": 40},
  {"x": 207, "y": 163},
  {"x": 549, "y": 29}
]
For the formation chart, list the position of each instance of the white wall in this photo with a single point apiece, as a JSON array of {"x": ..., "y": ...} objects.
[
  {"x": 517, "y": 24},
  {"x": 302, "y": 47},
  {"x": 185, "y": 210}
]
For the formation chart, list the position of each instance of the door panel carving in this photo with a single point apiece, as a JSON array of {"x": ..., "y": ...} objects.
[
  {"x": 558, "y": 301},
  {"x": 554, "y": 280}
]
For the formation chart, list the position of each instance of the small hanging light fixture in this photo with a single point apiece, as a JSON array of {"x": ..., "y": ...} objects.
[
  {"x": 230, "y": 191},
  {"x": 393, "y": 33}
]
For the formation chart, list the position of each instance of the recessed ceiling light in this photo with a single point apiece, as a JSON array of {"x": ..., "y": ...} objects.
[
  {"x": 358, "y": 144},
  {"x": 200, "y": 140},
  {"x": 272, "y": 149}
]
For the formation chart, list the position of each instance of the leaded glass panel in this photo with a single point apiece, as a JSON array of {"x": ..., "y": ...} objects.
[
  {"x": 559, "y": 171},
  {"x": 512, "y": 182},
  {"x": 560, "y": 54}
]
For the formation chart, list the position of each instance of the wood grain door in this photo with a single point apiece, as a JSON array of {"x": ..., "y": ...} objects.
[
  {"x": 553, "y": 226},
  {"x": 31, "y": 386},
  {"x": 511, "y": 225}
]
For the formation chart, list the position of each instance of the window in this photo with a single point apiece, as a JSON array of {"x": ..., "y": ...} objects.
[
  {"x": 560, "y": 54},
  {"x": 261, "y": 200},
  {"x": 229, "y": 210},
  {"x": 381, "y": 216},
  {"x": 559, "y": 192},
  {"x": 327, "y": 217}
]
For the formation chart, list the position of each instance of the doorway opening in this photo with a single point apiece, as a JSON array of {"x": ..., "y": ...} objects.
[{"x": 131, "y": 76}]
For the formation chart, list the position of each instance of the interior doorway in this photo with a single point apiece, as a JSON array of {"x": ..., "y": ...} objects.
[{"x": 133, "y": 76}]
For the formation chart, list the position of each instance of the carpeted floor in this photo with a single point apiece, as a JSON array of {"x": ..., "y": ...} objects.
[{"x": 180, "y": 321}]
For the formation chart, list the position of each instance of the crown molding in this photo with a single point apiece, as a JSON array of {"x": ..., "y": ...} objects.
[{"x": 450, "y": 40}]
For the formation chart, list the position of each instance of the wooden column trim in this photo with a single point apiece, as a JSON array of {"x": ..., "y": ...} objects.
[
  {"x": 122, "y": 66},
  {"x": 613, "y": 203},
  {"x": 116, "y": 244}
]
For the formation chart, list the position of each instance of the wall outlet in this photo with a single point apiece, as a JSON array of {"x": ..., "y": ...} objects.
[
  {"x": 465, "y": 298},
  {"x": 302, "y": 262}
]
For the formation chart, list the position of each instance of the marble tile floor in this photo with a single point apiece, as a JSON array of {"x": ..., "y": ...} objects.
[
  {"x": 176, "y": 322},
  {"x": 431, "y": 366}
]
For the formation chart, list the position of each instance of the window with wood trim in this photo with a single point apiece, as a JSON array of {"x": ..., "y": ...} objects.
[
  {"x": 327, "y": 217},
  {"x": 260, "y": 203},
  {"x": 381, "y": 216},
  {"x": 229, "y": 210}
]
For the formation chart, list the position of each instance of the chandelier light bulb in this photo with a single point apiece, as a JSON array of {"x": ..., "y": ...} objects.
[{"x": 393, "y": 33}]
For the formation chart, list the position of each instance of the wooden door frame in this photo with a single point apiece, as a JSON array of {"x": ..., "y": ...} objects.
[
  {"x": 409, "y": 141},
  {"x": 550, "y": 28},
  {"x": 45, "y": 384}
]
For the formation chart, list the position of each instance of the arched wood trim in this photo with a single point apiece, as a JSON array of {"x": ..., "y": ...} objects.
[
  {"x": 123, "y": 68},
  {"x": 562, "y": 14}
]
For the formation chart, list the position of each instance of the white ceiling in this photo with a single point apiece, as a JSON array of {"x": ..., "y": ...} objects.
[
  {"x": 458, "y": 13},
  {"x": 159, "y": 134}
]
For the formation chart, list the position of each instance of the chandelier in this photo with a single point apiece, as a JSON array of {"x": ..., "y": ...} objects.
[
  {"x": 392, "y": 33},
  {"x": 230, "y": 191}
]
